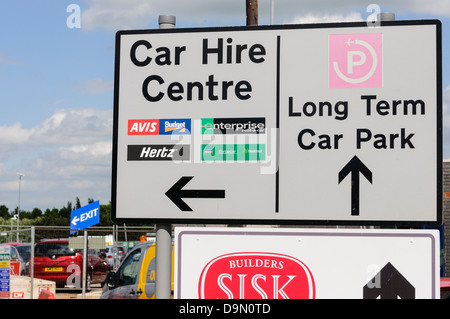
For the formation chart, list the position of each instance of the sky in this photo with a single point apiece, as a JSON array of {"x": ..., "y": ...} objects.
[{"x": 57, "y": 80}]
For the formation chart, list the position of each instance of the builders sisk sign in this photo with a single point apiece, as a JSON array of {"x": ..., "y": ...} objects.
[{"x": 85, "y": 216}]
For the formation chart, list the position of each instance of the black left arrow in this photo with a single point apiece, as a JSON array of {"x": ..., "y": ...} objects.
[
  {"x": 355, "y": 166},
  {"x": 176, "y": 193}
]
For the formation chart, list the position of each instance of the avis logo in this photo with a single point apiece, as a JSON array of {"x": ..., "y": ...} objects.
[
  {"x": 355, "y": 60},
  {"x": 159, "y": 127},
  {"x": 256, "y": 276},
  {"x": 143, "y": 127}
]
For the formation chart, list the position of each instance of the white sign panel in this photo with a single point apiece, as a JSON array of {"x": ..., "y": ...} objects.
[
  {"x": 334, "y": 123},
  {"x": 252, "y": 263}
]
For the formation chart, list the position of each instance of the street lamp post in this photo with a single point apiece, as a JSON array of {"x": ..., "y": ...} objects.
[
  {"x": 11, "y": 234},
  {"x": 18, "y": 206}
]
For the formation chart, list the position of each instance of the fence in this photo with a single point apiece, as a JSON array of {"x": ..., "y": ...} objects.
[{"x": 51, "y": 258}]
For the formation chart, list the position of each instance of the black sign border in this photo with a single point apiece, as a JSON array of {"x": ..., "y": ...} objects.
[{"x": 392, "y": 223}]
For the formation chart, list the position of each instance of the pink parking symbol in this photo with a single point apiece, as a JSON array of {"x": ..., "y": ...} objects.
[{"x": 355, "y": 60}]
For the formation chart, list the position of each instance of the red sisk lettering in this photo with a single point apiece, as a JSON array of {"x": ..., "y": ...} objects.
[{"x": 273, "y": 285}]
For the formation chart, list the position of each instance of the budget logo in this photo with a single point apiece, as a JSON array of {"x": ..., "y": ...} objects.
[
  {"x": 355, "y": 60},
  {"x": 256, "y": 276},
  {"x": 174, "y": 126},
  {"x": 243, "y": 125},
  {"x": 143, "y": 127}
]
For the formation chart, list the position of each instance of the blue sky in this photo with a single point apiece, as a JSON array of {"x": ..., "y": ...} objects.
[{"x": 57, "y": 82}]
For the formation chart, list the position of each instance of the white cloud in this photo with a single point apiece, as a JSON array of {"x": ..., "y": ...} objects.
[
  {"x": 324, "y": 18},
  {"x": 14, "y": 134},
  {"x": 436, "y": 7},
  {"x": 92, "y": 151},
  {"x": 136, "y": 14},
  {"x": 82, "y": 184},
  {"x": 446, "y": 121},
  {"x": 66, "y": 156},
  {"x": 69, "y": 126},
  {"x": 130, "y": 14},
  {"x": 446, "y": 100},
  {"x": 286, "y": 8},
  {"x": 116, "y": 14}
]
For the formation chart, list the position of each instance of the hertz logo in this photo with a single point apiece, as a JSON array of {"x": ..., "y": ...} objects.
[{"x": 159, "y": 152}]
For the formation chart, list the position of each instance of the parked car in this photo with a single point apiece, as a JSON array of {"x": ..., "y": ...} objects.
[
  {"x": 114, "y": 255},
  {"x": 18, "y": 264},
  {"x": 24, "y": 250},
  {"x": 135, "y": 277},
  {"x": 55, "y": 261}
]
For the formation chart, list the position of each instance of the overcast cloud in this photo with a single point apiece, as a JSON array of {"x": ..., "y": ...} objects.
[
  {"x": 117, "y": 14},
  {"x": 69, "y": 150}
]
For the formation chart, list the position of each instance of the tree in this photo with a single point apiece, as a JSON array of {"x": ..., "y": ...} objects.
[
  {"x": 35, "y": 213},
  {"x": 25, "y": 215},
  {"x": 54, "y": 213},
  {"x": 105, "y": 215},
  {"x": 77, "y": 203},
  {"x": 4, "y": 211},
  {"x": 66, "y": 211}
]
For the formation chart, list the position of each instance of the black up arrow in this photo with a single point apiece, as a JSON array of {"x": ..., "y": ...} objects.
[
  {"x": 389, "y": 283},
  {"x": 355, "y": 166},
  {"x": 176, "y": 193}
]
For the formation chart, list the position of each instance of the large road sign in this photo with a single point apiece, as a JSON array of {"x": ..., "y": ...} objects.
[
  {"x": 289, "y": 263},
  {"x": 323, "y": 123}
]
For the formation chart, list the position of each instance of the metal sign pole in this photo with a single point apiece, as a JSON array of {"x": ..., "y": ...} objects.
[
  {"x": 164, "y": 231},
  {"x": 163, "y": 261},
  {"x": 85, "y": 257},
  {"x": 31, "y": 265}
]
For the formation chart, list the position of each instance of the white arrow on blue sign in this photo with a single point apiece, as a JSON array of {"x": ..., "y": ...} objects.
[{"x": 85, "y": 216}]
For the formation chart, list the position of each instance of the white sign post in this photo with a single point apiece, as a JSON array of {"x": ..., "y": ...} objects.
[
  {"x": 284, "y": 263},
  {"x": 335, "y": 123}
]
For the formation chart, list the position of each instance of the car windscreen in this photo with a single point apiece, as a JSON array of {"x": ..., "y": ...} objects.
[
  {"x": 53, "y": 249},
  {"x": 24, "y": 251}
]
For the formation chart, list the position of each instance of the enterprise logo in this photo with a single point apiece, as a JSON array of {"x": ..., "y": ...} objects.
[
  {"x": 158, "y": 152},
  {"x": 159, "y": 127},
  {"x": 244, "y": 125}
]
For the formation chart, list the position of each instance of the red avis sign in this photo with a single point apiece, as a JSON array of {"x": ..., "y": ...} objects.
[
  {"x": 143, "y": 127},
  {"x": 256, "y": 276}
]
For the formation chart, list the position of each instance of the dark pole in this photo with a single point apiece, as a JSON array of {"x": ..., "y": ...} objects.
[{"x": 252, "y": 12}]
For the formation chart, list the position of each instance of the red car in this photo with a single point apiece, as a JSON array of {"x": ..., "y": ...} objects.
[{"x": 55, "y": 261}]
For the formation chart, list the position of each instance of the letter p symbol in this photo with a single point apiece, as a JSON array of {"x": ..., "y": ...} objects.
[
  {"x": 355, "y": 60},
  {"x": 351, "y": 61}
]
